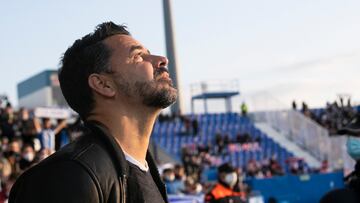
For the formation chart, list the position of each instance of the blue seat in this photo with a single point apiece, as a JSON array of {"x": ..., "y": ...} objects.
[{"x": 167, "y": 135}]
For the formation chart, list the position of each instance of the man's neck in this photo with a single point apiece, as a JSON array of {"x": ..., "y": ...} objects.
[{"x": 131, "y": 127}]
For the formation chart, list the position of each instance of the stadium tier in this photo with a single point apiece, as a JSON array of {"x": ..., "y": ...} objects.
[{"x": 170, "y": 136}]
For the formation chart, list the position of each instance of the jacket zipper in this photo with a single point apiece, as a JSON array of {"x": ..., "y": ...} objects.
[
  {"x": 123, "y": 185},
  {"x": 124, "y": 188}
]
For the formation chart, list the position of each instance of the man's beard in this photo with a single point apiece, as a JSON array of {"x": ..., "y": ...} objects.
[{"x": 156, "y": 93}]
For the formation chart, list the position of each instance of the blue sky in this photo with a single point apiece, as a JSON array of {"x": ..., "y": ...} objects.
[{"x": 304, "y": 50}]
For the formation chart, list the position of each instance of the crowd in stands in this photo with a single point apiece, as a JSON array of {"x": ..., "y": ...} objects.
[
  {"x": 198, "y": 158},
  {"x": 333, "y": 117},
  {"x": 188, "y": 177},
  {"x": 191, "y": 126},
  {"x": 25, "y": 140}
]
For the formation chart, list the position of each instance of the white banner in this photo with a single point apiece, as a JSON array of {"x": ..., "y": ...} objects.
[{"x": 54, "y": 113}]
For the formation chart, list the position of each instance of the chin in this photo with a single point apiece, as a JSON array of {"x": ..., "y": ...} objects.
[
  {"x": 162, "y": 98},
  {"x": 159, "y": 94}
]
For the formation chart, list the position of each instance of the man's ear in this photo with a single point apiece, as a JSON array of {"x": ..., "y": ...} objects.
[{"x": 101, "y": 85}]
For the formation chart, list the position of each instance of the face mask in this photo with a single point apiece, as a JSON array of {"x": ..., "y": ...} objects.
[
  {"x": 231, "y": 179},
  {"x": 29, "y": 156},
  {"x": 199, "y": 188},
  {"x": 170, "y": 177},
  {"x": 353, "y": 148}
]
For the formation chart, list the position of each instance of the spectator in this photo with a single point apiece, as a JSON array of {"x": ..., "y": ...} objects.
[
  {"x": 173, "y": 185},
  {"x": 334, "y": 116},
  {"x": 26, "y": 127},
  {"x": 179, "y": 171},
  {"x": 349, "y": 194},
  {"x": 226, "y": 139},
  {"x": 7, "y": 122},
  {"x": 4, "y": 194},
  {"x": 226, "y": 189},
  {"x": 275, "y": 167},
  {"x": 63, "y": 136},
  {"x": 47, "y": 133},
  {"x": 27, "y": 157},
  {"x": 257, "y": 139},
  {"x": 4, "y": 143},
  {"x": 220, "y": 144},
  {"x": 13, "y": 155},
  {"x": 243, "y": 138},
  {"x": 192, "y": 187},
  {"x": 18, "y": 141},
  {"x": 244, "y": 109},
  {"x": 266, "y": 169},
  {"x": 294, "y": 106},
  {"x": 253, "y": 169},
  {"x": 304, "y": 108},
  {"x": 187, "y": 124},
  {"x": 5, "y": 169},
  {"x": 195, "y": 126},
  {"x": 324, "y": 168}
]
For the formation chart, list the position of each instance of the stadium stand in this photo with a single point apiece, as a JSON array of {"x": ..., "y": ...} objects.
[
  {"x": 170, "y": 136},
  {"x": 198, "y": 143}
]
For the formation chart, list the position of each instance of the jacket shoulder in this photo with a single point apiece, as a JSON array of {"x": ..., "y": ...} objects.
[
  {"x": 63, "y": 181},
  {"x": 81, "y": 171}
]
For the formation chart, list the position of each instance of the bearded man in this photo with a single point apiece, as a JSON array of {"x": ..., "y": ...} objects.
[{"x": 118, "y": 88}]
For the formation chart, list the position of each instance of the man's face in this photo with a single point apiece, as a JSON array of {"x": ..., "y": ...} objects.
[
  {"x": 15, "y": 147},
  {"x": 139, "y": 75},
  {"x": 24, "y": 114},
  {"x": 47, "y": 123}
]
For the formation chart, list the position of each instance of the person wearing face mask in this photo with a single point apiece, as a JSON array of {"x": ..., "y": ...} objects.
[
  {"x": 351, "y": 193},
  {"x": 173, "y": 186},
  {"x": 27, "y": 157},
  {"x": 226, "y": 189}
]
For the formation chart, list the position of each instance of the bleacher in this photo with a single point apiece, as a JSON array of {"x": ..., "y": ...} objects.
[
  {"x": 288, "y": 188},
  {"x": 168, "y": 135}
]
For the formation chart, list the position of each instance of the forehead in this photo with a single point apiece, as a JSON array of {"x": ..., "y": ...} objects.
[
  {"x": 28, "y": 148},
  {"x": 121, "y": 43}
]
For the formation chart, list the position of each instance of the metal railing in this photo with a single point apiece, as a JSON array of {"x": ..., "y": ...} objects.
[
  {"x": 300, "y": 129},
  {"x": 214, "y": 86}
]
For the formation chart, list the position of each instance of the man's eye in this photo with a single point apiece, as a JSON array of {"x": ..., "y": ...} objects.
[{"x": 138, "y": 56}]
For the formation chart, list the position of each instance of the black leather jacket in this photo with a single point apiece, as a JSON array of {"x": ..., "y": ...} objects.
[{"x": 93, "y": 169}]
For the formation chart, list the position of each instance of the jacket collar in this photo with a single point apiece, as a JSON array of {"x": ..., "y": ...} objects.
[{"x": 101, "y": 132}]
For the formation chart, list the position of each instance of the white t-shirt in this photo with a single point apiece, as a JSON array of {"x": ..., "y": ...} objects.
[{"x": 132, "y": 160}]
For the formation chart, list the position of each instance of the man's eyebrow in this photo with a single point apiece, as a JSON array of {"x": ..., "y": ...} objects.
[{"x": 137, "y": 47}]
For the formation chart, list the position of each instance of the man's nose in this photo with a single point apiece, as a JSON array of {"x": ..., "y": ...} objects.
[{"x": 160, "y": 61}]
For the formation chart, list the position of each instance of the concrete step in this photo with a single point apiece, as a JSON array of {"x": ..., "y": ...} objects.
[{"x": 288, "y": 145}]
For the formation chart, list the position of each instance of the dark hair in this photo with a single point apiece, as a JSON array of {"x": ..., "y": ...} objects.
[{"x": 86, "y": 56}]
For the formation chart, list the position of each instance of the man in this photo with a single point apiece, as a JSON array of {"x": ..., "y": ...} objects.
[
  {"x": 226, "y": 190},
  {"x": 349, "y": 194},
  {"x": 244, "y": 109},
  {"x": 47, "y": 133},
  {"x": 26, "y": 127},
  {"x": 173, "y": 185},
  {"x": 118, "y": 88},
  {"x": 27, "y": 157},
  {"x": 13, "y": 155},
  {"x": 7, "y": 122}
]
